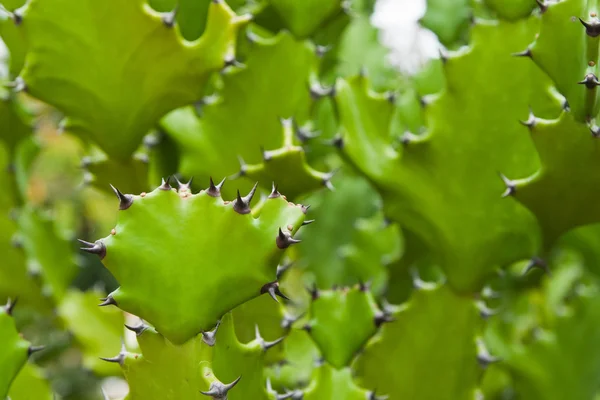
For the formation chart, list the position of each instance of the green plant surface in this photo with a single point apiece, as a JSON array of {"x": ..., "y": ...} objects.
[
  {"x": 303, "y": 18},
  {"x": 570, "y": 184},
  {"x": 561, "y": 37},
  {"x": 168, "y": 372},
  {"x": 109, "y": 101},
  {"x": 277, "y": 164},
  {"x": 432, "y": 340},
  {"x": 15, "y": 350},
  {"x": 341, "y": 322},
  {"x": 335, "y": 213},
  {"x": 329, "y": 383},
  {"x": 443, "y": 204},
  {"x": 97, "y": 330},
  {"x": 278, "y": 70},
  {"x": 448, "y": 19},
  {"x": 144, "y": 238},
  {"x": 30, "y": 384},
  {"x": 511, "y": 9},
  {"x": 47, "y": 253},
  {"x": 545, "y": 337},
  {"x": 15, "y": 120}
]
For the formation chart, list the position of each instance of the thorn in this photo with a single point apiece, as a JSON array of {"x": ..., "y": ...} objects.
[
  {"x": 34, "y": 349},
  {"x": 107, "y": 301},
  {"x": 524, "y": 53},
  {"x": 210, "y": 338},
  {"x": 337, "y": 142},
  {"x": 285, "y": 240},
  {"x": 274, "y": 193},
  {"x": 382, "y": 318},
  {"x": 485, "y": 359},
  {"x": 242, "y": 167},
  {"x": 443, "y": 55},
  {"x": 10, "y": 305},
  {"x": 215, "y": 190},
  {"x": 484, "y": 311},
  {"x": 566, "y": 105},
  {"x": 313, "y": 291},
  {"x": 373, "y": 396},
  {"x": 303, "y": 134},
  {"x": 595, "y": 130},
  {"x": 511, "y": 187},
  {"x": 119, "y": 358},
  {"x": 307, "y": 328},
  {"x": 17, "y": 17},
  {"x": 230, "y": 61},
  {"x": 242, "y": 204},
  {"x": 289, "y": 320},
  {"x": 317, "y": 91},
  {"x": 531, "y": 120},
  {"x": 218, "y": 390},
  {"x": 265, "y": 154},
  {"x": 307, "y": 222},
  {"x": 364, "y": 286},
  {"x": 320, "y": 51},
  {"x": 125, "y": 200},
  {"x": 590, "y": 80},
  {"x": 263, "y": 343},
  {"x": 137, "y": 329},
  {"x": 537, "y": 262},
  {"x": 183, "y": 187},
  {"x": 97, "y": 248},
  {"x": 168, "y": 18},
  {"x": 282, "y": 268},
  {"x": 304, "y": 208},
  {"x": 591, "y": 28},
  {"x": 327, "y": 179},
  {"x": 542, "y": 4},
  {"x": 273, "y": 289},
  {"x": 165, "y": 185}
]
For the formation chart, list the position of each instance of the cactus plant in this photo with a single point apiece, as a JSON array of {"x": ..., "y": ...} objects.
[{"x": 453, "y": 253}]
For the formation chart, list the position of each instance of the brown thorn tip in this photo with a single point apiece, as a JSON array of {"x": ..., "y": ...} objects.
[{"x": 125, "y": 200}]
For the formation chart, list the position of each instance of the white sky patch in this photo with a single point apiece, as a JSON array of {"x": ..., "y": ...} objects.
[{"x": 411, "y": 45}]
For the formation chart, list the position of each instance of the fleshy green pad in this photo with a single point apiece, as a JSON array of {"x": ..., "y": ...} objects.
[
  {"x": 569, "y": 175},
  {"x": 443, "y": 186},
  {"x": 563, "y": 37},
  {"x": 304, "y": 17},
  {"x": 341, "y": 322},
  {"x": 272, "y": 84},
  {"x": 433, "y": 340},
  {"x": 183, "y": 260},
  {"x": 14, "y": 352},
  {"x": 109, "y": 100},
  {"x": 165, "y": 371}
]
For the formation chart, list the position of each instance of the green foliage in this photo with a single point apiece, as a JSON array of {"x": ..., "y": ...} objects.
[
  {"x": 108, "y": 101},
  {"x": 463, "y": 193}
]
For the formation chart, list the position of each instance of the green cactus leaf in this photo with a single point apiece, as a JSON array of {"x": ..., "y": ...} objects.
[
  {"x": 232, "y": 359},
  {"x": 48, "y": 254},
  {"x": 14, "y": 354},
  {"x": 546, "y": 337},
  {"x": 15, "y": 43},
  {"x": 109, "y": 101},
  {"x": 303, "y": 18},
  {"x": 562, "y": 37},
  {"x": 511, "y": 9},
  {"x": 349, "y": 314},
  {"x": 570, "y": 184},
  {"x": 279, "y": 68},
  {"x": 181, "y": 305},
  {"x": 30, "y": 384},
  {"x": 329, "y": 383},
  {"x": 166, "y": 371},
  {"x": 398, "y": 361},
  {"x": 449, "y": 20},
  {"x": 443, "y": 204},
  {"x": 277, "y": 164},
  {"x": 97, "y": 330},
  {"x": 335, "y": 212},
  {"x": 299, "y": 347},
  {"x": 183, "y": 371},
  {"x": 15, "y": 120}
]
